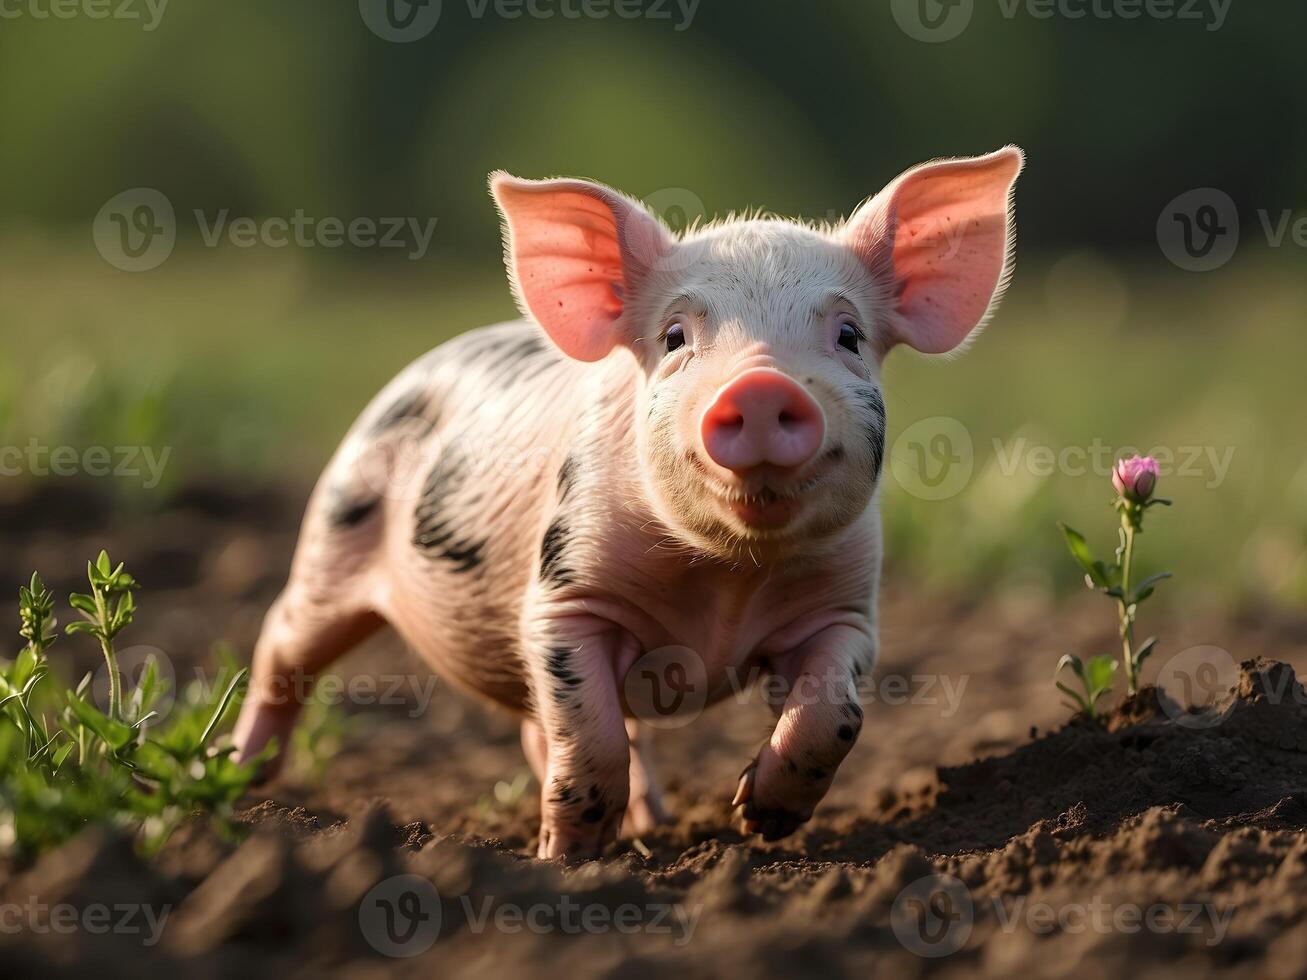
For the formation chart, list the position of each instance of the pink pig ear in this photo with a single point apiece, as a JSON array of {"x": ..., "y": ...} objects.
[
  {"x": 575, "y": 252},
  {"x": 942, "y": 235}
]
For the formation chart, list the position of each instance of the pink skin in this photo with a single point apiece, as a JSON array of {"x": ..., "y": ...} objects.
[
  {"x": 762, "y": 416},
  {"x": 536, "y": 506}
]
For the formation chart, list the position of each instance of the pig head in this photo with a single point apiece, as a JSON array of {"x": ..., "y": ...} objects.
[{"x": 760, "y": 418}]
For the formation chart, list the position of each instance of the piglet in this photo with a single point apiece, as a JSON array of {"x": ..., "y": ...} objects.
[{"x": 670, "y": 464}]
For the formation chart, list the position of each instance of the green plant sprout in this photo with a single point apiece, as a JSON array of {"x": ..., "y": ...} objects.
[
  {"x": 65, "y": 764},
  {"x": 106, "y": 612},
  {"x": 1095, "y": 677}
]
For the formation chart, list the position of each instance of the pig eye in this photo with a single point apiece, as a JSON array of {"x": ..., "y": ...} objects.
[
  {"x": 675, "y": 337},
  {"x": 849, "y": 336}
]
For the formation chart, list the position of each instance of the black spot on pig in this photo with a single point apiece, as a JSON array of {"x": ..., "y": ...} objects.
[
  {"x": 563, "y": 697},
  {"x": 593, "y": 814},
  {"x": 558, "y": 663},
  {"x": 846, "y": 733},
  {"x": 346, "y": 513},
  {"x": 412, "y": 404},
  {"x": 519, "y": 357},
  {"x": 436, "y": 531},
  {"x": 530, "y": 346},
  {"x": 552, "y": 547},
  {"x": 566, "y": 477},
  {"x": 873, "y": 417},
  {"x": 565, "y": 794}
]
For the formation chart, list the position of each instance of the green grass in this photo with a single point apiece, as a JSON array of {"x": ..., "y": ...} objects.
[
  {"x": 253, "y": 363},
  {"x": 145, "y": 759},
  {"x": 66, "y": 763}
]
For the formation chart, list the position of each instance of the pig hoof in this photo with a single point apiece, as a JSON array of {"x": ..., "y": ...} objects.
[
  {"x": 581, "y": 843},
  {"x": 744, "y": 791},
  {"x": 555, "y": 846},
  {"x": 772, "y": 822}
]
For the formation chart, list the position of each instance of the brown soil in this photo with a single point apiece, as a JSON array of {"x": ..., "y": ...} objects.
[{"x": 1161, "y": 839}]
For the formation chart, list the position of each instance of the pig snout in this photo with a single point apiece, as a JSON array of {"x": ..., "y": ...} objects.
[{"x": 762, "y": 417}]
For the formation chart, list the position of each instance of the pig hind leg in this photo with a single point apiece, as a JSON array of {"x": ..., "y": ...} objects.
[{"x": 319, "y": 616}]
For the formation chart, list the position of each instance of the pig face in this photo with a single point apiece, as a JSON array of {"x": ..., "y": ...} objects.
[{"x": 760, "y": 421}]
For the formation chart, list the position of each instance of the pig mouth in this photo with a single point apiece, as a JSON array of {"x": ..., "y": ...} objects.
[
  {"x": 766, "y": 496},
  {"x": 765, "y": 515},
  {"x": 772, "y": 502}
]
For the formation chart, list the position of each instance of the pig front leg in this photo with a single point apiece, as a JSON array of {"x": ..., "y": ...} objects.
[
  {"x": 586, "y": 786},
  {"x": 817, "y": 726},
  {"x": 646, "y": 809}
]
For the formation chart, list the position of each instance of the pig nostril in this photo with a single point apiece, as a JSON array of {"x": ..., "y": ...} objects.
[{"x": 761, "y": 417}]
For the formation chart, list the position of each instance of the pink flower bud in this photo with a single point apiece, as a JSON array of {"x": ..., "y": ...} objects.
[{"x": 1135, "y": 478}]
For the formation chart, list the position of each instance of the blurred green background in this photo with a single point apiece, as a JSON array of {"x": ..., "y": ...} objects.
[{"x": 250, "y": 362}]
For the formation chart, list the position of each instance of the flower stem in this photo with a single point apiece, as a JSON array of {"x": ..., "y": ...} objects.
[{"x": 1127, "y": 614}]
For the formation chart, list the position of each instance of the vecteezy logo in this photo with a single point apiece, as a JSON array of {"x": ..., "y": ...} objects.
[
  {"x": 401, "y": 21},
  {"x": 667, "y": 687},
  {"x": 1196, "y": 681},
  {"x": 932, "y": 21},
  {"x": 136, "y": 230},
  {"x": 400, "y": 916},
  {"x": 396, "y": 464},
  {"x": 680, "y": 209},
  {"x": 933, "y": 459},
  {"x": 933, "y": 916},
  {"x": 1199, "y": 230}
]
